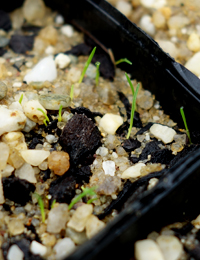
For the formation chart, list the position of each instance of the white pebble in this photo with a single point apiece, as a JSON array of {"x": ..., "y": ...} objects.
[
  {"x": 37, "y": 248},
  {"x": 44, "y": 70},
  {"x": 51, "y": 139},
  {"x": 17, "y": 84},
  {"x": 165, "y": 133},
  {"x": 34, "y": 157},
  {"x": 59, "y": 19},
  {"x": 157, "y": 4},
  {"x": 170, "y": 246},
  {"x": 110, "y": 123},
  {"x": 178, "y": 22},
  {"x": 26, "y": 172},
  {"x": 152, "y": 183},
  {"x": 147, "y": 25},
  {"x": 67, "y": 30},
  {"x": 133, "y": 171},
  {"x": 29, "y": 125},
  {"x": 109, "y": 168},
  {"x": 62, "y": 60},
  {"x": 124, "y": 7},
  {"x": 102, "y": 151},
  {"x": 147, "y": 249},
  {"x": 50, "y": 50},
  {"x": 63, "y": 248},
  {"x": 169, "y": 47},
  {"x": 11, "y": 120},
  {"x": 7, "y": 171},
  {"x": 15, "y": 252}
]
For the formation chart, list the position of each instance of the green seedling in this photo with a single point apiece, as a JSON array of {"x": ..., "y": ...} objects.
[
  {"x": 46, "y": 117},
  {"x": 86, "y": 191},
  {"x": 97, "y": 72},
  {"x": 87, "y": 65},
  {"x": 123, "y": 60},
  {"x": 133, "y": 111},
  {"x": 21, "y": 98},
  {"x": 41, "y": 205},
  {"x": 72, "y": 92},
  {"x": 60, "y": 113},
  {"x": 185, "y": 123},
  {"x": 130, "y": 83},
  {"x": 53, "y": 203}
]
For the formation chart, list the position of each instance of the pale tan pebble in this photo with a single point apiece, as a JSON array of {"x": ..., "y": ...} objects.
[
  {"x": 63, "y": 248},
  {"x": 58, "y": 161},
  {"x": 3, "y": 90},
  {"x": 196, "y": 222},
  {"x": 26, "y": 172},
  {"x": 50, "y": 50},
  {"x": 34, "y": 157},
  {"x": 148, "y": 249},
  {"x": 33, "y": 10},
  {"x": 16, "y": 105},
  {"x": 3, "y": 71},
  {"x": 165, "y": 133},
  {"x": 166, "y": 11},
  {"x": 193, "y": 64},
  {"x": 147, "y": 25},
  {"x": 93, "y": 226},
  {"x": 193, "y": 42},
  {"x": 32, "y": 112},
  {"x": 17, "y": 19},
  {"x": 39, "y": 46},
  {"x": 67, "y": 30},
  {"x": 7, "y": 171},
  {"x": 48, "y": 239},
  {"x": 154, "y": 167},
  {"x": 49, "y": 34},
  {"x": 15, "y": 159},
  {"x": 124, "y": 7},
  {"x": 153, "y": 3},
  {"x": 57, "y": 218},
  {"x": 176, "y": 148},
  {"x": 2, "y": 60},
  {"x": 15, "y": 227},
  {"x": 17, "y": 84},
  {"x": 169, "y": 47},
  {"x": 2, "y": 199},
  {"x": 133, "y": 171},
  {"x": 80, "y": 217},
  {"x": 77, "y": 237},
  {"x": 178, "y": 21},
  {"x": 15, "y": 140},
  {"x": 159, "y": 20},
  {"x": 145, "y": 100},
  {"x": 38, "y": 249},
  {"x": 43, "y": 166},
  {"x": 170, "y": 246},
  {"x": 62, "y": 60},
  {"x": 4, "y": 154},
  {"x": 110, "y": 123},
  {"x": 152, "y": 183},
  {"x": 73, "y": 75}
]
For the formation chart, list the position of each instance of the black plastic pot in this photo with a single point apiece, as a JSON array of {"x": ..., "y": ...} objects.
[{"x": 174, "y": 198}]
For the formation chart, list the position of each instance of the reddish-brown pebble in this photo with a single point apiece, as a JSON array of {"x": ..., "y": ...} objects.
[{"x": 59, "y": 162}]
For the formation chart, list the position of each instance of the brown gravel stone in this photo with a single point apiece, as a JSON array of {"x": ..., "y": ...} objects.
[{"x": 59, "y": 162}]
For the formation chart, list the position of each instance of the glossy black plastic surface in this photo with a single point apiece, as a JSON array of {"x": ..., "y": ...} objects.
[{"x": 174, "y": 198}]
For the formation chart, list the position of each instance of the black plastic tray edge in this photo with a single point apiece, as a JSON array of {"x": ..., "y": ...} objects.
[{"x": 142, "y": 210}]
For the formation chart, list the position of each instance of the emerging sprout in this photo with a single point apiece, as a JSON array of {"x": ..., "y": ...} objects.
[
  {"x": 133, "y": 104},
  {"x": 72, "y": 92},
  {"x": 59, "y": 114},
  {"x": 53, "y": 203},
  {"x": 21, "y": 98},
  {"x": 87, "y": 64},
  {"x": 41, "y": 204},
  {"x": 97, "y": 72},
  {"x": 185, "y": 123},
  {"x": 123, "y": 60},
  {"x": 86, "y": 191},
  {"x": 46, "y": 117}
]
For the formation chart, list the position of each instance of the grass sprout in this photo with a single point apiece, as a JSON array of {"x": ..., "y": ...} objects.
[
  {"x": 123, "y": 60},
  {"x": 97, "y": 72},
  {"x": 130, "y": 83},
  {"x": 60, "y": 113},
  {"x": 133, "y": 111},
  {"x": 41, "y": 205},
  {"x": 21, "y": 98},
  {"x": 86, "y": 191},
  {"x": 53, "y": 203},
  {"x": 46, "y": 117},
  {"x": 72, "y": 92},
  {"x": 185, "y": 123},
  {"x": 86, "y": 65}
]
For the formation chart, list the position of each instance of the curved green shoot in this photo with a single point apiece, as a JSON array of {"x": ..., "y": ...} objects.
[
  {"x": 53, "y": 203},
  {"x": 97, "y": 72},
  {"x": 60, "y": 113},
  {"x": 41, "y": 205},
  {"x": 21, "y": 98},
  {"x": 87, "y": 65},
  {"x": 133, "y": 111},
  {"x": 185, "y": 123},
  {"x": 123, "y": 60},
  {"x": 46, "y": 117},
  {"x": 130, "y": 83},
  {"x": 86, "y": 191}
]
